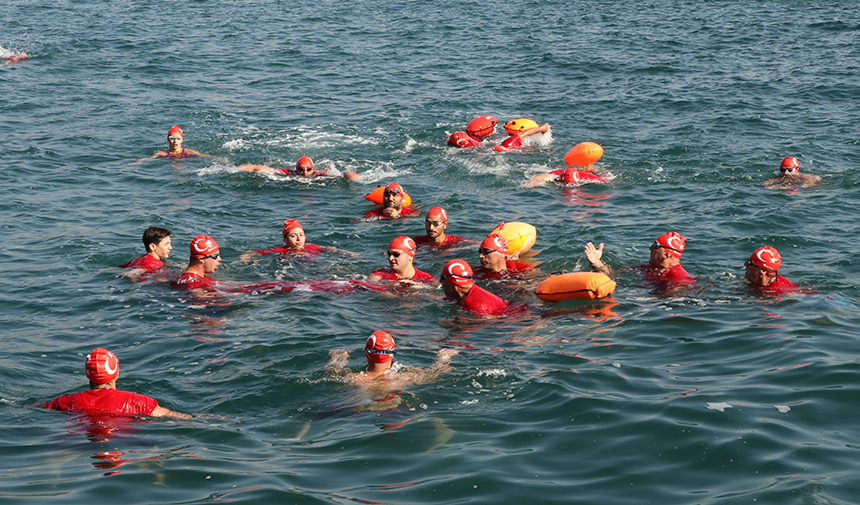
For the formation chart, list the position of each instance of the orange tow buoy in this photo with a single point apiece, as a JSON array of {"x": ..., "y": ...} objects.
[{"x": 583, "y": 154}]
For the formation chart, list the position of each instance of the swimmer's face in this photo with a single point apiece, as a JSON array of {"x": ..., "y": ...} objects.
[
  {"x": 658, "y": 255},
  {"x": 162, "y": 249},
  {"x": 398, "y": 259},
  {"x": 295, "y": 239},
  {"x": 211, "y": 262},
  {"x": 492, "y": 259},
  {"x": 305, "y": 171},
  {"x": 757, "y": 275},
  {"x": 174, "y": 140},
  {"x": 435, "y": 226},
  {"x": 391, "y": 198}
]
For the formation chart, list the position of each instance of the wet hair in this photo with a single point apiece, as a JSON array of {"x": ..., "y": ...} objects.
[{"x": 154, "y": 235}]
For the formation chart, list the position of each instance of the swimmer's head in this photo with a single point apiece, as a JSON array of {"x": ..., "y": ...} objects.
[
  {"x": 517, "y": 125},
  {"x": 291, "y": 224},
  {"x": 403, "y": 244},
  {"x": 437, "y": 214},
  {"x": 379, "y": 347},
  {"x": 672, "y": 242},
  {"x": 481, "y": 126},
  {"x": 789, "y": 164},
  {"x": 203, "y": 246},
  {"x": 305, "y": 166},
  {"x": 457, "y": 272},
  {"x": 569, "y": 176},
  {"x": 174, "y": 131},
  {"x": 767, "y": 258},
  {"x": 459, "y": 139},
  {"x": 102, "y": 366}
]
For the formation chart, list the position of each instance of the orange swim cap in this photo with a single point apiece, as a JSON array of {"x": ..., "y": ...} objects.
[
  {"x": 379, "y": 347},
  {"x": 174, "y": 130},
  {"x": 766, "y": 258},
  {"x": 457, "y": 272},
  {"x": 403, "y": 243},
  {"x": 102, "y": 366},
  {"x": 291, "y": 224},
  {"x": 672, "y": 242},
  {"x": 304, "y": 161},
  {"x": 481, "y": 126},
  {"x": 203, "y": 245}
]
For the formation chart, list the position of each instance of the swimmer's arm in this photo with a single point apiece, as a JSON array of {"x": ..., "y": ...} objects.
[
  {"x": 533, "y": 131},
  {"x": 134, "y": 274},
  {"x": 198, "y": 153},
  {"x": 539, "y": 179},
  {"x": 163, "y": 412},
  {"x": 255, "y": 168},
  {"x": 248, "y": 256},
  {"x": 440, "y": 366},
  {"x": 593, "y": 255},
  {"x": 339, "y": 251},
  {"x": 159, "y": 154},
  {"x": 351, "y": 176},
  {"x": 337, "y": 360}
]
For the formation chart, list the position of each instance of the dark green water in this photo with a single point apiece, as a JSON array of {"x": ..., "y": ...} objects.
[{"x": 714, "y": 396}]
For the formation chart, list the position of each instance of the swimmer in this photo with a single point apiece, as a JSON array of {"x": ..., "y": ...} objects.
[
  {"x": 156, "y": 241},
  {"x": 400, "y": 253},
  {"x": 435, "y": 224},
  {"x": 495, "y": 262},
  {"x": 304, "y": 168},
  {"x": 392, "y": 204},
  {"x": 102, "y": 368},
  {"x": 761, "y": 272},
  {"x": 204, "y": 260},
  {"x": 175, "y": 149},
  {"x": 476, "y": 131},
  {"x": 379, "y": 350},
  {"x": 458, "y": 285},
  {"x": 663, "y": 267},
  {"x": 518, "y": 134},
  {"x": 294, "y": 243},
  {"x": 790, "y": 177},
  {"x": 14, "y": 57}
]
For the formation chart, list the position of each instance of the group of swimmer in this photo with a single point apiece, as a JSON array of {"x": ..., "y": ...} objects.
[{"x": 663, "y": 271}]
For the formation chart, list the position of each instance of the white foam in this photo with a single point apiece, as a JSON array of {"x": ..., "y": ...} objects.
[{"x": 719, "y": 406}]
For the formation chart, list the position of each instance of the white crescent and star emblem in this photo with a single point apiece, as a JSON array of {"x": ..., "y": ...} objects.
[
  {"x": 671, "y": 243},
  {"x": 108, "y": 369}
]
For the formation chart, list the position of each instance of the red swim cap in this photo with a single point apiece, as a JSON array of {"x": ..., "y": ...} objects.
[
  {"x": 438, "y": 211},
  {"x": 495, "y": 241},
  {"x": 379, "y": 347},
  {"x": 394, "y": 187},
  {"x": 766, "y": 258},
  {"x": 789, "y": 162},
  {"x": 481, "y": 126},
  {"x": 102, "y": 366},
  {"x": 174, "y": 130},
  {"x": 403, "y": 243},
  {"x": 457, "y": 272},
  {"x": 672, "y": 242},
  {"x": 304, "y": 161},
  {"x": 291, "y": 224},
  {"x": 203, "y": 245},
  {"x": 459, "y": 139},
  {"x": 570, "y": 176}
]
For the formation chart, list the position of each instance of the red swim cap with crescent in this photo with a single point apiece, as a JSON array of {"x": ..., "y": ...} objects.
[
  {"x": 766, "y": 258},
  {"x": 673, "y": 242},
  {"x": 457, "y": 272},
  {"x": 403, "y": 243},
  {"x": 459, "y": 139},
  {"x": 102, "y": 366},
  {"x": 174, "y": 130},
  {"x": 379, "y": 347},
  {"x": 570, "y": 176},
  {"x": 203, "y": 245},
  {"x": 438, "y": 211},
  {"x": 789, "y": 162},
  {"x": 495, "y": 241},
  {"x": 305, "y": 161},
  {"x": 291, "y": 224},
  {"x": 394, "y": 187},
  {"x": 481, "y": 126}
]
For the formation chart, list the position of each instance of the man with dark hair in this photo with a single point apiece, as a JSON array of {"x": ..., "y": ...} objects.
[{"x": 156, "y": 242}]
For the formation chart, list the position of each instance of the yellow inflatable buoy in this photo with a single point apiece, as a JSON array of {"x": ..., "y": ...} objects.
[
  {"x": 575, "y": 285},
  {"x": 517, "y": 125},
  {"x": 376, "y": 195},
  {"x": 520, "y": 236},
  {"x": 583, "y": 154}
]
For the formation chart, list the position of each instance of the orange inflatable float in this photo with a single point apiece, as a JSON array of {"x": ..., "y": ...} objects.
[
  {"x": 376, "y": 195},
  {"x": 481, "y": 126},
  {"x": 583, "y": 154},
  {"x": 520, "y": 236},
  {"x": 575, "y": 285},
  {"x": 515, "y": 126}
]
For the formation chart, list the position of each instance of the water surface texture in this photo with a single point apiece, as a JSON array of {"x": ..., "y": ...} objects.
[{"x": 712, "y": 395}]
